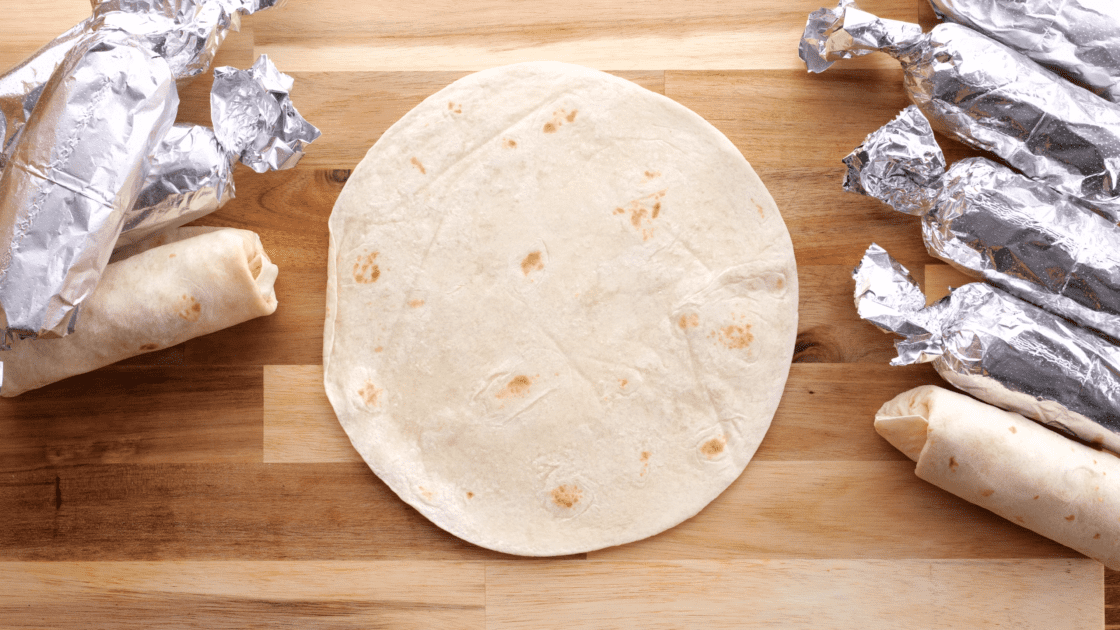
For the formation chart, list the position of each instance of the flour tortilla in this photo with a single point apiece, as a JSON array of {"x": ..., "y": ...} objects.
[
  {"x": 182, "y": 284},
  {"x": 1012, "y": 466},
  {"x": 561, "y": 310}
]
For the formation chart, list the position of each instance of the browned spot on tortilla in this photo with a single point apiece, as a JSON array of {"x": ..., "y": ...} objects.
[
  {"x": 424, "y": 491},
  {"x": 458, "y": 109},
  {"x": 149, "y": 346},
  {"x": 713, "y": 447},
  {"x": 623, "y": 383},
  {"x": 652, "y": 174},
  {"x": 572, "y": 116},
  {"x": 510, "y": 144},
  {"x": 736, "y": 337},
  {"x": 416, "y": 303},
  {"x": 656, "y": 210},
  {"x": 191, "y": 310},
  {"x": 645, "y": 456},
  {"x": 953, "y": 463},
  {"x": 549, "y": 128},
  {"x": 378, "y": 349},
  {"x": 171, "y": 255},
  {"x": 619, "y": 211},
  {"x": 417, "y": 164},
  {"x": 518, "y": 386},
  {"x": 1070, "y": 517},
  {"x": 636, "y": 217},
  {"x": 1012, "y": 429},
  {"x": 987, "y": 493},
  {"x": 566, "y": 496},
  {"x": 688, "y": 321},
  {"x": 1097, "y": 441},
  {"x": 370, "y": 394},
  {"x": 1036, "y": 497},
  {"x": 531, "y": 263},
  {"x": 1096, "y": 537},
  {"x": 761, "y": 212},
  {"x": 470, "y": 495},
  {"x": 779, "y": 282},
  {"x": 365, "y": 270}
]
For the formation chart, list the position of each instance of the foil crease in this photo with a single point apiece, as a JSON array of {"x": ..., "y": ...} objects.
[
  {"x": 255, "y": 118},
  {"x": 1079, "y": 39},
  {"x": 988, "y": 96},
  {"x": 1000, "y": 349},
  {"x": 192, "y": 170},
  {"x": 79, "y": 164},
  {"x": 1045, "y": 247}
]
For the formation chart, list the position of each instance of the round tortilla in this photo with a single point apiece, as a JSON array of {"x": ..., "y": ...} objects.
[{"x": 561, "y": 310}]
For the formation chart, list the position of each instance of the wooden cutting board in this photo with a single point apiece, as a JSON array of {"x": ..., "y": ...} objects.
[{"x": 209, "y": 485}]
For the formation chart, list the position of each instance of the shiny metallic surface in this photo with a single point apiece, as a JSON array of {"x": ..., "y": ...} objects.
[
  {"x": 79, "y": 164},
  {"x": 987, "y": 220},
  {"x": 191, "y": 176},
  {"x": 1079, "y": 39},
  {"x": 1001, "y": 350},
  {"x": 255, "y": 119},
  {"x": 991, "y": 97}
]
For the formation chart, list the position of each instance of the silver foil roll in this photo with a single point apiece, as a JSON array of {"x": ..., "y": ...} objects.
[
  {"x": 187, "y": 33},
  {"x": 1079, "y": 39},
  {"x": 993, "y": 223},
  {"x": 192, "y": 171},
  {"x": 999, "y": 349},
  {"x": 988, "y": 96},
  {"x": 191, "y": 176},
  {"x": 80, "y": 163},
  {"x": 21, "y": 86}
]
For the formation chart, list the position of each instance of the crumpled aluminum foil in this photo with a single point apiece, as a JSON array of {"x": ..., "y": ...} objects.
[
  {"x": 999, "y": 349},
  {"x": 1078, "y": 38},
  {"x": 73, "y": 161},
  {"x": 192, "y": 170},
  {"x": 987, "y": 220},
  {"x": 988, "y": 96},
  {"x": 187, "y": 33},
  {"x": 79, "y": 164},
  {"x": 266, "y": 133}
]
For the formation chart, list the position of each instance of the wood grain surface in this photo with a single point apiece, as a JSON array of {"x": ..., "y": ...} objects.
[{"x": 209, "y": 485}]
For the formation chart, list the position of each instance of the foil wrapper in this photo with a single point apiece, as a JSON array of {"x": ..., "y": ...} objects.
[
  {"x": 187, "y": 33},
  {"x": 1080, "y": 39},
  {"x": 1045, "y": 247},
  {"x": 21, "y": 86},
  {"x": 80, "y": 163},
  {"x": 988, "y": 96},
  {"x": 192, "y": 170},
  {"x": 999, "y": 349}
]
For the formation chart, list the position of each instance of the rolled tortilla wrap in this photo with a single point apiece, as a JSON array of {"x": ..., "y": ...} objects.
[
  {"x": 202, "y": 280},
  {"x": 1009, "y": 465}
]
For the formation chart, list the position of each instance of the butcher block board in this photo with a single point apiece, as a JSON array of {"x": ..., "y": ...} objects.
[{"x": 210, "y": 486}]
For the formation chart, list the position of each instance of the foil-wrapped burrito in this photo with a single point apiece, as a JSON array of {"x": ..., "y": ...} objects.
[
  {"x": 80, "y": 162},
  {"x": 80, "y": 132},
  {"x": 990, "y": 222},
  {"x": 192, "y": 168},
  {"x": 998, "y": 348},
  {"x": 988, "y": 96},
  {"x": 1080, "y": 39}
]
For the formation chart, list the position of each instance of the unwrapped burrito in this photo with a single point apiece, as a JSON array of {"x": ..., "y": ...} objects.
[
  {"x": 1009, "y": 465},
  {"x": 201, "y": 281}
]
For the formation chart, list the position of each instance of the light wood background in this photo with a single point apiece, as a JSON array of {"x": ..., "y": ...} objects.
[{"x": 209, "y": 485}]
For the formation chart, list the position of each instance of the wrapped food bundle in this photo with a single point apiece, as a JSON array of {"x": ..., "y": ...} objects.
[
  {"x": 1080, "y": 39},
  {"x": 1011, "y": 466},
  {"x": 988, "y": 96},
  {"x": 200, "y": 280},
  {"x": 1043, "y": 246},
  {"x": 192, "y": 168},
  {"x": 998, "y": 348},
  {"x": 80, "y": 148}
]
